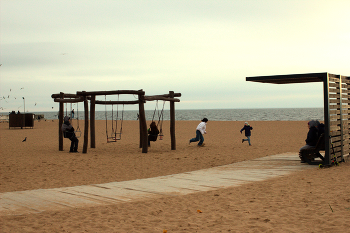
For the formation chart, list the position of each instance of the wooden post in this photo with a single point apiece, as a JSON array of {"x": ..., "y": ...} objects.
[
  {"x": 60, "y": 123},
  {"x": 92, "y": 121},
  {"x": 326, "y": 119},
  {"x": 143, "y": 126},
  {"x": 172, "y": 121},
  {"x": 86, "y": 128}
]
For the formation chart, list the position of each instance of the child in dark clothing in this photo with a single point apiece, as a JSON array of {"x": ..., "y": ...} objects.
[
  {"x": 152, "y": 133},
  {"x": 247, "y": 128}
]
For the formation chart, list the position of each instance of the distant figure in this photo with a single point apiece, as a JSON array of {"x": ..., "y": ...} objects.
[
  {"x": 73, "y": 113},
  {"x": 200, "y": 131},
  {"x": 68, "y": 132},
  {"x": 247, "y": 128},
  {"x": 152, "y": 133}
]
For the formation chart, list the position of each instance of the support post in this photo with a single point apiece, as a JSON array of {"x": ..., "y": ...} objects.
[
  {"x": 326, "y": 118},
  {"x": 60, "y": 123},
  {"x": 92, "y": 121},
  {"x": 86, "y": 126},
  {"x": 172, "y": 121},
  {"x": 341, "y": 118},
  {"x": 143, "y": 126}
]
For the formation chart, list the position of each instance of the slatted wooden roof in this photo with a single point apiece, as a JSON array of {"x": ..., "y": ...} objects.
[{"x": 289, "y": 78}]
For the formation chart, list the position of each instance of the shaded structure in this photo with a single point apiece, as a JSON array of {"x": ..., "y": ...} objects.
[{"x": 336, "y": 95}]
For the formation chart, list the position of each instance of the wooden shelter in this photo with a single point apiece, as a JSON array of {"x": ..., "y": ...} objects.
[
  {"x": 336, "y": 89},
  {"x": 84, "y": 96}
]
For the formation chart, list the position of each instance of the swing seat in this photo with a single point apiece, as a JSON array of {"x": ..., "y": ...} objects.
[
  {"x": 161, "y": 136},
  {"x": 114, "y": 138},
  {"x": 68, "y": 134},
  {"x": 119, "y": 137},
  {"x": 77, "y": 133},
  {"x": 111, "y": 139},
  {"x": 152, "y": 137}
]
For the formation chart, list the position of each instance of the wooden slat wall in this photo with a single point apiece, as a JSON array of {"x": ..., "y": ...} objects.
[
  {"x": 346, "y": 116},
  {"x": 339, "y": 97}
]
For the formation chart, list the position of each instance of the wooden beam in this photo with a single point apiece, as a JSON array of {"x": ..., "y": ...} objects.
[
  {"x": 64, "y": 95},
  {"x": 75, "y": 100},
  {"x": 143, "y": 126},
  {"x": 116, "y": 102},
  {"x": 115, "y": 92},
  {"x": 165, "y": 95},
  {"x": 172, "y": 121},
  {"x": 86, "y": 126},
  {"x": 151, "y": 98},
  {"x": 92, "y": 121},
  {"x": 60, "y": 123}
]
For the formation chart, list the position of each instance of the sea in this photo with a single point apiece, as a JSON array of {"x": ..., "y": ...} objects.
[{"x": 264, "y": 114}]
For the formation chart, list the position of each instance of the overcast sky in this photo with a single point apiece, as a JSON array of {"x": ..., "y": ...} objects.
[{"x": 202, "y": 49}]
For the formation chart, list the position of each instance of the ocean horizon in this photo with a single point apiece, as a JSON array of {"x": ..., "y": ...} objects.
[{"x": 263, "y": 114}]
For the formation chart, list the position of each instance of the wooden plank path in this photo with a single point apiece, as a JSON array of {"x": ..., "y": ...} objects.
[{"x": 36, "y": 201}]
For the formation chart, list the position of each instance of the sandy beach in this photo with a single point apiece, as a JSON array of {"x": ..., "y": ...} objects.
[{"x": 309, "y": 201}]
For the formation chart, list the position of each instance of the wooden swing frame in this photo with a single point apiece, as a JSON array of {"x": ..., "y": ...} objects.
[{"x": 84, "y": 96}]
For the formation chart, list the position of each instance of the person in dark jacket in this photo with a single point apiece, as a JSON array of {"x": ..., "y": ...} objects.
[
  {"x": 152, "y": 133},
  {"x": 312, "y": 135},
  {"x": 247, "y": 128},
  {"x": 68, "y": 132},
  {"x": 320, "y": 127}
]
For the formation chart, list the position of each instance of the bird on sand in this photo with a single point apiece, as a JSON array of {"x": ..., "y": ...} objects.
[{"x": 25, "y": 139}]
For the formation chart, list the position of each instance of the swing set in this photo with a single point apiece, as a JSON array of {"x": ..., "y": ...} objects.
[{"x": 116, "y": 133}]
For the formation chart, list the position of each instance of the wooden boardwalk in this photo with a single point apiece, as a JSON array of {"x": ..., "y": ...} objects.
[{"x": 36, "y": 201}]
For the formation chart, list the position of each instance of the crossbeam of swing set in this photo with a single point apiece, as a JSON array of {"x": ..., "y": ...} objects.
[
  {"x": 74, "y": 100},
  {"x": 117, "y": 102},
  {"x": 165, "y": 95},
  {"x": 65, "y": 95},
  {"x": 116, "y": 92},
  {"x": 151, "y": 98}
]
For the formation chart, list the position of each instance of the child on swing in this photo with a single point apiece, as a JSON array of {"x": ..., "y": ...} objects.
[{"x": 152, "y": 133}]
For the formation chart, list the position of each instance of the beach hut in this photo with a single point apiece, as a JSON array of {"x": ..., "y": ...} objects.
[{"x": 336, "y": 95}]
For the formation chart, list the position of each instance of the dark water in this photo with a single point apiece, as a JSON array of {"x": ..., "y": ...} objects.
[{"x": 270, "y": 114}]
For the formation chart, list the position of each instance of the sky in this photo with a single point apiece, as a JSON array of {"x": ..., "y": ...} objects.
[{"x": 199, "y": 48}]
